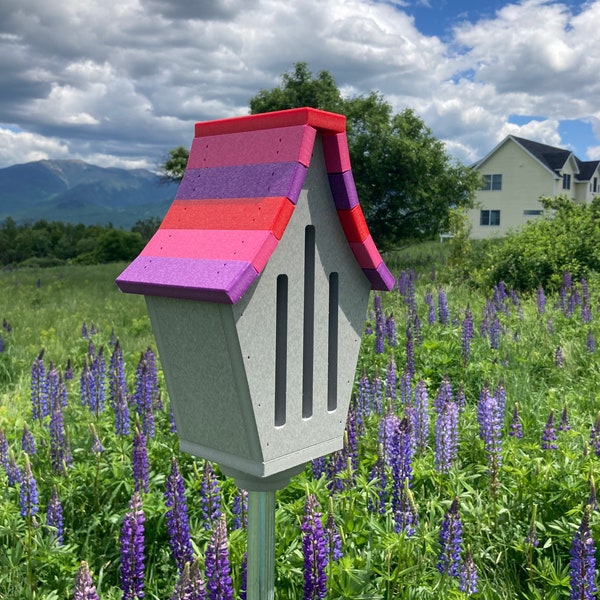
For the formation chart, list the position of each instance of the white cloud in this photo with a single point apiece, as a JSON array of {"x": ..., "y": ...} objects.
[{"x": 20, "y": 147}]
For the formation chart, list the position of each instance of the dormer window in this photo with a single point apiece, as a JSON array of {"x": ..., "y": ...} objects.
[{"x": 566, "y": 181}]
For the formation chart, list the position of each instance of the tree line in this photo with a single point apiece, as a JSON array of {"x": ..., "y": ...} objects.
[{"x": 42, "y": 243}]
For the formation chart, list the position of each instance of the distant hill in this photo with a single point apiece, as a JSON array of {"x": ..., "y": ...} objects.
[{"x": 73, "y": 191}]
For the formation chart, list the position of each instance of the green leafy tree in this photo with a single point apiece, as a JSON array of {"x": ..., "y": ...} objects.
[{"x": 174, "y": 166}]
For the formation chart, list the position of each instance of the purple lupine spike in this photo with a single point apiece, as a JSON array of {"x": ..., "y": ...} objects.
[
  {"x": 139, "y": 461},
  {"x": 54, "y": 517},
  {"x": 39, "y": 388},
  {"x": 417, "y": 330},
  {"x": 390, "y": 331},
  {"x": 351, "y": 438},
  {"x": 402, "y": 282},
  {"x": 28, "y": 493},
  {"x": 431, "y": 315},
  {"x": 210, "y": 496},
  {"x": 494, "y": 333},
  {"x": 443, "y": 311},
  {"x": 60, "y": 453},
  {"x": 467, "y": 333},
  {"x": 410, "y": 353},
  {"x": 377, "y": 389},
  {"x": 86, "y": 386},
  {"x": 446, "y": 437},
  {"x": 586, "y": 313},
  {"x": 444, "y": 395},
  {"x": 593, "y": 497},
  {"x": 516, "y": 427},
  {"x": 595, "y": 436},
  {"x": 468, "y": 575},
  {"x": 314, "y": 549},
  {"x": 98, "y": 372},
  {"x": 406, "y": 391},
  {"x": 490, "y": 431},
  {"x": 582, "y": 566},
  {"x": 390, "y": 379},
  {"x": 216, "y": 567},
  {"x": 97, "y": 447},
  {"x": 531, "y": 539},
  {"x": 334, "y": 539},
  {"x": 172, "y": 424},
  {"x": 4, "y": 451},
  {"x": 117, "y": 382},
  {"x": 461, "y": 399},
  {"x": 144, "y": 394},
  {"x": 68, "y": 374},
  {"x": 364, "y": 397},
  {"x": 500, "y": 395},
  {"x": 244, "y": 577},
  {"x": 336, "y": 465},
  {"x": 406, "y": 515},
  {"x": 541, "y": 300},
  {"x": 84, "y": 586},
  {"x": 379, "y": 326},
  {"x": 387, "y": 429},
  {"x": 190, "y": 585},
  {"x": 549, "y": 434},
  {"x": 319, "y": 467},
  {"x": 132, "y": 550},
  {"x": 450, "y": 541},
  {"x": 28, "y": 441},
  {"x": 559, "y": 359},
  {"x": 85, "y": 334},
  {"x": 590, "y": 341},
  {"x": 13, "y": 471},
  {"x": 420, "y": 426},
  {"x": 122, "y": 424},
  {"x": 564, "y": 424},
  {"x": 177, "y": 518},
  {"x": 240, "y": 509}
]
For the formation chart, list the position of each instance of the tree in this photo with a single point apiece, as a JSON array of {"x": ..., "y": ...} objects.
[
  {"x": 174, "y": 166},
  {"x": 406, "y": 182}
]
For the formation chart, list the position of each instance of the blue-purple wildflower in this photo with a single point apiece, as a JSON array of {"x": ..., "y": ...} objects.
[
  {"x": 28, "y": 441},
  {"x": 582, "y": 566},
  {"x": 516, "y": 427},
  {"x": 549, "y": 434},
  {"x": 446, "y": 437},
  {"x": 541, "y": 300},
  {"x": 334, "y": 539},
  {"x": 132, "y": 550},
  {"x": 590, "y": 341},
  {"x": 420, "y": 426},
  {"x": 178, "y": 526},
  {"x": 54, "y": 517},
  {"x": 315, "y": 551},
  {"x": 84, "y": 586},
  {"x": 468, "y": 575},
  {"x": 28, "y": 493},
  {"x": 239, "y": 509},
  {"x": 139, "y": 461},
  {"x": 564, "y": 424},
  {"x": 390, "y": 331},
  {"x": 39, "y": 389},
  {"x": 210, "y": 496},
  {"x": 431, "y": 313},
  {"x": 60, "y": 452},
  {"x": 219, "y": 585},
  {"x": 467, "y": 333},
  {"x": 443, "y": 312},
  {"x": 450, "y": 541},
  {"x": 190, "y": 585}
]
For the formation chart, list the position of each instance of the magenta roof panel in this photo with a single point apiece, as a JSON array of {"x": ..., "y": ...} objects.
[{"x": 257, "y": 156}]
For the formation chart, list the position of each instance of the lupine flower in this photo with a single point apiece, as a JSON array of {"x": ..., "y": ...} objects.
[
  {"x": 122, "y": 425},
  {"x": 390, "y": 379},
  {"x": 13, "y": 471},
  {"x": 210, "y": 496},
  {"x": 379, "y": 326},
  {"x": 410, "y": 353},
  {"x": 467, "y": 334},
  {"x": 595, "y": 436},
  {"x": 582, "y": 566},
  {"x": 390, "y": 331},
  {"x": 140, "y": 461},
  {"x": 406, "y": 388},
  {"x": 172, "y": 424},
  {"x": 28, "y": 493},
  {"x": 564, "y": 424},
  {"x": 446, "y": 437},
  {"x": 98, "y": 372},
  {"x": 146, "y": 391},
  {"x": 549, "y": 434},
  {"x": 240, "y": 509},
  {"x": 244, "y": 577},
  {"x": 378, "y": 473},
  {"x": 377, "y": 389},
  {"x": 559, "y": 360},
  {"x": 443, "y": 311},
  {"x": 334, "y": 539},
  {"x": 450, "y": 541},
  {"x": 190, "y": 585},
  {"x": 60, "y": 453},
  {"x": 217, "y": 570},
  {"x": 84, "y": 586},
  {"x": 87, "y": 393},
  {"x": 132, "y": 550},
  {"x": 3, "y": 450},
  {"x": 531, "y": 538},
  {"x": 39, "y": 391},
  {"x": 431, "y": 316},
  {"x": 593, "y": 498},
  {"x": 314, "y": 548},
  {"x": 541, "y": 300},
  {"x": 516, "y": 427},
  {"x": 350, "y": 448},
  {"x": 490, "y": 431},
  {"x": 494, "y": 333},
  {"x": 319, "y": 467},
  {"x": 117, "y": 382},
  {"x": 97, "y": 447},
  {"x": 406, "y": 515},
  {"x": 177, "y": 518},
  {"x": 468, "y": 575},
  {"x": 590, "y": 342},
  {"x": 68, "y": 375},
  {"x": 85, "y": 334},
  {"x": 54, "y": 517},
  {"x": 28, "y": 441}
]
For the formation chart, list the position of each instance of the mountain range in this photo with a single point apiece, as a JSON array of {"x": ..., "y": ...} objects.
[{"x": 73, "y": 191}]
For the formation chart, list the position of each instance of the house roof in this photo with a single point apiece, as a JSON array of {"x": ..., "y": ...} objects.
[
  {"x": 587, "y": 169},
  {"x": 241, "y": 185}
]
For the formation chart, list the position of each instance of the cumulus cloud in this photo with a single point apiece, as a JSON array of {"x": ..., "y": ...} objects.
[{"x": 122, "y": 81}]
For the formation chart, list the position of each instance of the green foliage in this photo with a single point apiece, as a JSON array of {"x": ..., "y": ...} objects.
[
  {"x": 174, "y": 165},
  {"x": 567, "y": 239}
]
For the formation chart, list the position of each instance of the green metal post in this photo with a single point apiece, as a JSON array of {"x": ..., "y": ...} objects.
[{"x": 261, "y": 545}]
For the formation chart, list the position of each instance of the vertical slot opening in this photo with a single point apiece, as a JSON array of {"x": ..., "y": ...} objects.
[
  {"x": 309, "y": 322},
  {"x": 332, "y": 342},
  {"x": 281, "y": 335}
]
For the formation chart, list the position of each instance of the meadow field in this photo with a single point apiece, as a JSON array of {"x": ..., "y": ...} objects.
[{"x": 469, "y": 467}]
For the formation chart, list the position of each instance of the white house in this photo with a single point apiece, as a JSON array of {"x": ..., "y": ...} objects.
[{"x": 516, "y": 173}]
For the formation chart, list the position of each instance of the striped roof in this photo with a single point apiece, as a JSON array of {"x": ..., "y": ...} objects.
[{"x": 241, "y": 184}]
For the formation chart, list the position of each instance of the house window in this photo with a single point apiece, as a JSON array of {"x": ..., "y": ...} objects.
[
  {"x": 490, "y": 217},
  {"x": 492, "y": 182},
  {"x": 533, "y": 213},
  {"x": 566, "y": 181},
  {"x": 595, "y": 185}
]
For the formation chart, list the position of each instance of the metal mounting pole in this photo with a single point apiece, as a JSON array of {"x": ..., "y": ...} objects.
[{"x": 261, "y": 545}]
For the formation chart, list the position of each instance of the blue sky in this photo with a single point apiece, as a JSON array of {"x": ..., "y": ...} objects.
[{"x": 120, "y": 82}]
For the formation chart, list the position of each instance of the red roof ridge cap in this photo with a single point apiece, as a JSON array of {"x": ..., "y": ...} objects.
[{"x": 323, "y": 121}]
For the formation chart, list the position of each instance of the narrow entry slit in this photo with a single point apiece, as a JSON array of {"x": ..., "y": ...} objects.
[
  {"x": 281, "y": 335},
  {"x": 309, "y": 322},
  {"x": 332, "y": 343}
]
